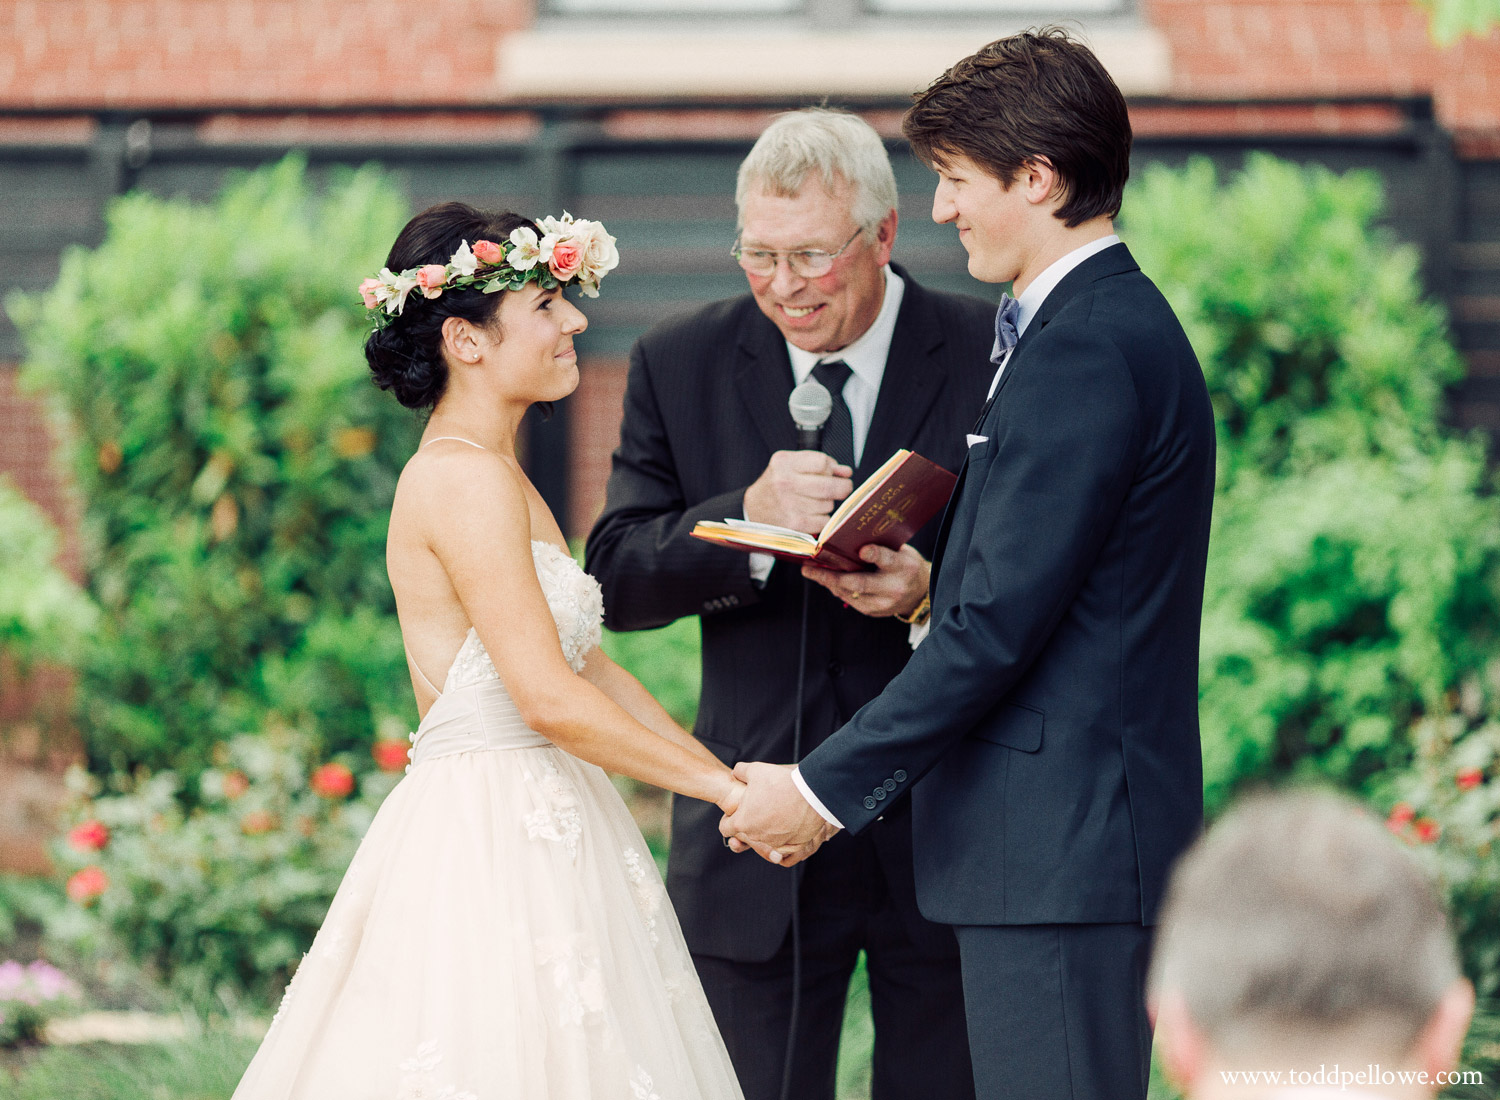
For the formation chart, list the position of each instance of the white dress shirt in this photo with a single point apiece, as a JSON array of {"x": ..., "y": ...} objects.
[
  {"x": 866, "y": 358},
  {"x": 1030, "y": 300}
]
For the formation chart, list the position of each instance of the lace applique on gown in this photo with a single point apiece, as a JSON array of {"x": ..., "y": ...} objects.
[{"x": 501, "y": 934}]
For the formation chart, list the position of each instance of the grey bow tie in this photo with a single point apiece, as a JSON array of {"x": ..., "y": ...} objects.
[{"x": 1006, "y": 334}]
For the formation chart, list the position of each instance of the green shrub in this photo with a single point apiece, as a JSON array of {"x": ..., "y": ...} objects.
[
  {"x": 218, "y": 902},
  {"x": 1353, "y": 562},
  {"x": 235, "y": 463},
  {"x": 43, "y": 615}
]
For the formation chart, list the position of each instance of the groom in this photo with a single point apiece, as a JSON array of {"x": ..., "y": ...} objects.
[{"x": 1047, "y": 727}]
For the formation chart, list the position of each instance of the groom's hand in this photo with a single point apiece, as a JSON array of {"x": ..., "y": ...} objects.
[
  {"x": 773, "y": 817},
  {"x": 896, "y": 587}
]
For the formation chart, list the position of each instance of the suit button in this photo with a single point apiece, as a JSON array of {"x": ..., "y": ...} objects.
[
  {"x": 890, "y": 784},
  {"x": 869, "y": 802},
  {"x": 835, "y": 669},
  {"x": 879, "y": 793},
  {"x": 900, "y": 776}
]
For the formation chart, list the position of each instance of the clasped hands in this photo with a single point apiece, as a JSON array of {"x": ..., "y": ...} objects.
[{"x": 771, "y": 817}]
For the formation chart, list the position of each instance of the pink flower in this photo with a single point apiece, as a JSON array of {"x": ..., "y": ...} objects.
[
  {"x": 431, "y": 278},
  {"x": 367, "y": 291},
  {"x": 567, "y": 258},
  {"x": 89, "y": 836},
  {"x": 1401, "y": 816},
  {"x": 390, "y": 756},
  {"x": 87, "y": 884},
  {"x": 1469, "y": 778},
  {"x": 1427, "y": 830},
  {"x": 488, "y": 252},
  {"x": 257, "y": 823},
  {"x": 236, "y": 783},
  {"x": 332, "y": 781}
]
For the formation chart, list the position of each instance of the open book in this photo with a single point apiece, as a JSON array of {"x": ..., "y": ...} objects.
[{"x": 891, "y": 506}]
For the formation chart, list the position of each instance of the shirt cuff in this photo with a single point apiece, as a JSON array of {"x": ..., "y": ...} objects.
[
  {"x": 918, "y": 632},
  {"x": 813, "y": 800},
  {"x": 760, "y": 568}
]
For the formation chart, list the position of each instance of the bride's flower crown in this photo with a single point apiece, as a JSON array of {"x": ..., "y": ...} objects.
[{"x": 570, "y": 251}]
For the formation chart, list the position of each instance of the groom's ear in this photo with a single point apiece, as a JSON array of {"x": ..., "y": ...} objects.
[{"x": 1040, "y": 183}]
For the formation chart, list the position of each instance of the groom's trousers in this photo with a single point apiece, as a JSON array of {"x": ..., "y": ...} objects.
[
  {"x": 916, "y": 995},
  {"x": 1057, "y": 1011}
]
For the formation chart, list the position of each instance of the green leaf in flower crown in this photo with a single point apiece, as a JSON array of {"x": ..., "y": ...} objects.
[{"x": 492, "y": 286}]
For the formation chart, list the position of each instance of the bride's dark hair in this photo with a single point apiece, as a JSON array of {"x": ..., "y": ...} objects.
[{"x": 406, "y": 356}]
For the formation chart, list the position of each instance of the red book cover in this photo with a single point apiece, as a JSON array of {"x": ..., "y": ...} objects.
[{"x": 888, "y": 509}]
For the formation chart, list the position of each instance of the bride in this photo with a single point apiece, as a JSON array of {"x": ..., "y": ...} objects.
[{"x": 502, "y": 932}]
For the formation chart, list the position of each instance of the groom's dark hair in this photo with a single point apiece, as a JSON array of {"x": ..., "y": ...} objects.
[{"x": 1038, "y": 95}]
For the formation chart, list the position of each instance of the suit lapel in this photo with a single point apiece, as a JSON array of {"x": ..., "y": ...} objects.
[
  {"x": 763, "y": 376},
  {"x": 1115, "y": 260},
  {"x": 914, "y": 377}
]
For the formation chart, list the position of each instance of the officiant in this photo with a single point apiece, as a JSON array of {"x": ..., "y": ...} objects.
[{"x": 707, "y": 434}]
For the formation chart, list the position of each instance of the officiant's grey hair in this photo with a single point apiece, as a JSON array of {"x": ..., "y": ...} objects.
[{"x": 838, "y": 147}]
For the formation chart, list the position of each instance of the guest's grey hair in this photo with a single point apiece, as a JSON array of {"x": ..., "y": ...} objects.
[
  {"x": 841, "y": 148},
  {"x": 1299, "y": 919}
]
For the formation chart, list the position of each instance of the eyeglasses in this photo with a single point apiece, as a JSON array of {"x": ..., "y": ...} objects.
[{"x": 806, "y": 263}]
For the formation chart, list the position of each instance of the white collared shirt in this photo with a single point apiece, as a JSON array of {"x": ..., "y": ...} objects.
[
  {"x": 1033, "y": 296},
  {"x": 866, "y": 358}
]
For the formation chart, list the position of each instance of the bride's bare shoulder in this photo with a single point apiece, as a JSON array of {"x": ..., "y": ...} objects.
[{"x": 453, "y": 481}]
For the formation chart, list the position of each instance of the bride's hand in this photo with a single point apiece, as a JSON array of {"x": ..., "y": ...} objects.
[{"x": 729, "y": 801}]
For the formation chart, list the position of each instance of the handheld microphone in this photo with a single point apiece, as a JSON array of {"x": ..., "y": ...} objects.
[{"x": 810, "y": 406}]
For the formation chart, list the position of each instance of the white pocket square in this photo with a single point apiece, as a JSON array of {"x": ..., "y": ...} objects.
[{"x": 975, "y": 440}]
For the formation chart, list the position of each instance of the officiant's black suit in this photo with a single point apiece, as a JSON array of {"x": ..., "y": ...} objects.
[
  {"x": 705, "y": 408},
  {"x": 1047, "y": 729}
]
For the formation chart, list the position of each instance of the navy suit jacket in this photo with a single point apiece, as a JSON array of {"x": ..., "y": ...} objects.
[{"x": 1047, "y": 728}]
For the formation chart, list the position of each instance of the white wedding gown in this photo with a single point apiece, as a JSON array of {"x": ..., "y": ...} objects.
[{"x": 502, "y": 932}]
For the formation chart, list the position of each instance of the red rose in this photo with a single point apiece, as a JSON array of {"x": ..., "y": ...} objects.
[
  {"x": 88, "y": 837},
  {"x": 1427, "y": 830},
  {"x": 390, "y": 756},
  {"x": 257, "y": 823},
  {"x": 333, "y": 781},
  {"x": 1401, "y": 816},
  {"x": 235, "y": 784},
  {"x": 87, "y": 884},
  {"x": 1469, "y": 778},
  {"x": 488, "y": 252}
]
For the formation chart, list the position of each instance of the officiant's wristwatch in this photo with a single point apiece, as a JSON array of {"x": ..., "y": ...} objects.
[{"x": 919, "y": 614}]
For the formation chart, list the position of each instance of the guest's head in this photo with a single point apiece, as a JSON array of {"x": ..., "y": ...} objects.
[
  {"x": 817, "y": 183},
  {"x": 513, "y": 344},
  {"x": 1028, "y": 135},
  {"x": 1298, "y": 934}
]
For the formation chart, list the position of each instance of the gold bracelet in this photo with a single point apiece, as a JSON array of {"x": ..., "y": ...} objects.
[{"x": 920, "y": 614}]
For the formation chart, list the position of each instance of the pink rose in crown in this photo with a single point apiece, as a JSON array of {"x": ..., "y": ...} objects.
[
  {"x": 567, "y": 258},
  {"x": 431, "y": 278},
  {"x": 367, "y": 291},
  {"x": 488, "y": 252},
  {"x": 89, "y": 836},
  {"x": 87, "y": 884}
]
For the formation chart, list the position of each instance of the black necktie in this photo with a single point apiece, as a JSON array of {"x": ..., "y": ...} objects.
[{"x": 838, "y": 432}]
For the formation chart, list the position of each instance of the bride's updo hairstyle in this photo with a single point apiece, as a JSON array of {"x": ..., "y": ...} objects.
[{"x": 406, "y": 356}]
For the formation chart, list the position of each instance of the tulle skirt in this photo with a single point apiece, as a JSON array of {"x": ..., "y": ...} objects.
[{"x": 501, "y": 934}]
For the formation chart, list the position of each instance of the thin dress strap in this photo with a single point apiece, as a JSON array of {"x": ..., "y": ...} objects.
[
  {"x": 456, "y": 439},
  {"x": 413, "y": 662}
]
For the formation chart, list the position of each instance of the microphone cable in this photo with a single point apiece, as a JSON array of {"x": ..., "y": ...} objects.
[{"x": 791, "y": 1031}]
